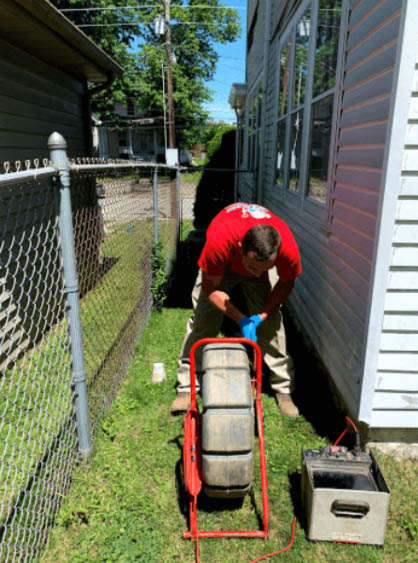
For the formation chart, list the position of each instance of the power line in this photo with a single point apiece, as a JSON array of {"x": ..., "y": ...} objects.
[
  {"x": 141, "y": 23},
  {"x": 115, "y": 9}
]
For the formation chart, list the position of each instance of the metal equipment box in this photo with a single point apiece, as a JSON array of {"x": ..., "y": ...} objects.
[{"x": 344, "y": 496}]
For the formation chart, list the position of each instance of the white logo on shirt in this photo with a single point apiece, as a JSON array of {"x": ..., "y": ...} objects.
[{"x": 250, "y": 209}]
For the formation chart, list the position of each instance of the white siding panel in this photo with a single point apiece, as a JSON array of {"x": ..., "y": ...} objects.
[
  {"x": 401, "y": 302},
  {"x": 392, "y": 361},
  {"x": 393, "y": 381},
  {"x": 413, "y": 109},
  {"x": 405, "y": 256},
  {"x": 410, "y": 160},
  {"x": 415, "y": 82},
  {"x": 409, "y": 186},
  {"x": 406, "y": 234},
  {"x": 392, "y": 341},
  {"x": 407, "y": 210},
  {"x": 402, "y": 279},
  {"x": 391, "y": 401},
  {"x": 412, "y": 134},
  {"x": 394, "y": 419}
]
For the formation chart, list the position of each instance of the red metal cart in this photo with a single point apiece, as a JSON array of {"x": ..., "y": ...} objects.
[{"x": 192, "y": 455}]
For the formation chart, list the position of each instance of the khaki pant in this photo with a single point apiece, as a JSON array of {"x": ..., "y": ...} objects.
[{"x": 207, "y": 319}]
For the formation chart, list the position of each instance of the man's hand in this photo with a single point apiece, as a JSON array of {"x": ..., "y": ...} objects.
[{"x": 249, "y": 327}]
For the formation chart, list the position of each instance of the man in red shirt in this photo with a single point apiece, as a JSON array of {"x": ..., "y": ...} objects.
[{"x": 247, "y": 245}]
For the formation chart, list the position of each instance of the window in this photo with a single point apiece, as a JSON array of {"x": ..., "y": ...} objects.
[
  {"x": 130, "y": 108},
  {"x": 255, "y": 107},
  {"x": 308, "y": 55}
]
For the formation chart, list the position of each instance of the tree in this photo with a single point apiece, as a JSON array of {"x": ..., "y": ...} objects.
[{"x": 196, "y": 26}]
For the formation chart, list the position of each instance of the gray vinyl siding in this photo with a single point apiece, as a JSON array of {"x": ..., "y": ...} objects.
[
  {"x": 395, "y": 397},
  {"x": 256, "y": 50},
  {"x": 331, "y": 296},
  {"x": 35, "y": 100}
]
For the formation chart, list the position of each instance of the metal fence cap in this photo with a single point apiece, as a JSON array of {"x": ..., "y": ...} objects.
[{"x": 56, "y": 141}]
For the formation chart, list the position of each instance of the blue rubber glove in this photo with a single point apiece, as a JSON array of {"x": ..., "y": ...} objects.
[
  {"x": 248, "y": 329},
  {"x": 257, "y": 320}
]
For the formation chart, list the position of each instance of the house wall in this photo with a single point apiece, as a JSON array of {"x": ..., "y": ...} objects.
[
  {"x": 331, "y": 296},
  {"x": 35, "y": 100},
  {"x": 390, "y": 388}
]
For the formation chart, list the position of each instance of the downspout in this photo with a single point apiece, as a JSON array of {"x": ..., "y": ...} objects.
[{"x": 266, "y": 53}]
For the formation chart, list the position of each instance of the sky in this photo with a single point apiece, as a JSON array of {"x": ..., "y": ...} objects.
[{"x": 231, "y": 68}]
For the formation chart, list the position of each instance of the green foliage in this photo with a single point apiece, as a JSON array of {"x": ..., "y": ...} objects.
[
  {"x": 215, "y": 141},
  {"x": 142, "y": 54},
  {"x": 159, "y": 278}
]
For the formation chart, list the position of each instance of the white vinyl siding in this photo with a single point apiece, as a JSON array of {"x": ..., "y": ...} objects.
[{"x": 390, "y": 390}]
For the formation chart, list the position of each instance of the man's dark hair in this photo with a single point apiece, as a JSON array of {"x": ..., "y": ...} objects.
[{"x": 264, "y": 240}]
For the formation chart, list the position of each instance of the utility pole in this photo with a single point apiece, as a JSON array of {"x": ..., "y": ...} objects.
[{"x": 171, "y": 141}]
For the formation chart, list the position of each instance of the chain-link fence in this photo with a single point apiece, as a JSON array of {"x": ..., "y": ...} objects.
[
  {"x": 76, "y": 289},
  {"x": 118, "y": 210}
]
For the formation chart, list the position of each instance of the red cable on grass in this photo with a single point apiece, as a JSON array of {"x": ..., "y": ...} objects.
[{"x": 292, "y": 537}]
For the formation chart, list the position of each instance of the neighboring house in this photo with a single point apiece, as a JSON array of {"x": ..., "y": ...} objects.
[
  {"x": 331, "y": 126},
  {"x": 49, "y": 69},
  {"x": 48, "y": 66},
  {"x": 137, "y": 137}
]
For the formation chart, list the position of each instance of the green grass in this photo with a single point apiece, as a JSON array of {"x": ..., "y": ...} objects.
[{"x": 127, "y": 505}]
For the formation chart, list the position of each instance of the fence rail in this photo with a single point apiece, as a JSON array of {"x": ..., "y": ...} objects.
[{"x": 76, "y": 251}]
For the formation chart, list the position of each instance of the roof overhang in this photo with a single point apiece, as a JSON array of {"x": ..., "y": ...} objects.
[{"x": 39, "y": 28}]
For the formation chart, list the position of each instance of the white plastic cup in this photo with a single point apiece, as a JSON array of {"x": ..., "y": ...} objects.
[{"x": 158, "y": 372}]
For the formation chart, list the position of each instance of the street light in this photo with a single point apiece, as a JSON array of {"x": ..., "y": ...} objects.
[{"x": 237, "y": 98}]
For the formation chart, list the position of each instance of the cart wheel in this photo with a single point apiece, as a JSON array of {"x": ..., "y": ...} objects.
[{"x": 227, "y": 421}]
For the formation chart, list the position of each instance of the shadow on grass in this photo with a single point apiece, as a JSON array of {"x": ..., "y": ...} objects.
[
  {"x": 183, "y": 275},
  {"x": 294, "y": 489}
]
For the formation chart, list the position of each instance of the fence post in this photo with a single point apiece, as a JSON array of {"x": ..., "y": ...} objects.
[
  {"x": 155, "y": 204},
  {"x": 58, "y": 151},
  {"x": 178, "y": 186}
]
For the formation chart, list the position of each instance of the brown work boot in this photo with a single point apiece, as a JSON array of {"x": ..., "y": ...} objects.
[
  {"x": 181, "y": 403},
  {"x": 286, "y": 405}
]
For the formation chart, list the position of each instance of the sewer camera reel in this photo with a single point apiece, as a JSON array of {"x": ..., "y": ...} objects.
[{"x": 218, "y": 444}]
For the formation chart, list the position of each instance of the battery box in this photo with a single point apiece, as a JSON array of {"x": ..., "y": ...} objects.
[{"x": 344, "y": 495}]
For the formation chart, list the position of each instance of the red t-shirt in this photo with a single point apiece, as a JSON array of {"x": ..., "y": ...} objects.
[{"x": 229, "y": 227}]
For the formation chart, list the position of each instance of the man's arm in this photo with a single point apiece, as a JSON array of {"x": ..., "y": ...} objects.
[
  {"x": 277, "y": 297},
  {"x": 218, "y": 298}
]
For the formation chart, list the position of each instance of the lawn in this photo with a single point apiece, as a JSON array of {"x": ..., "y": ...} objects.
[{"x": 128, "y": 503}]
